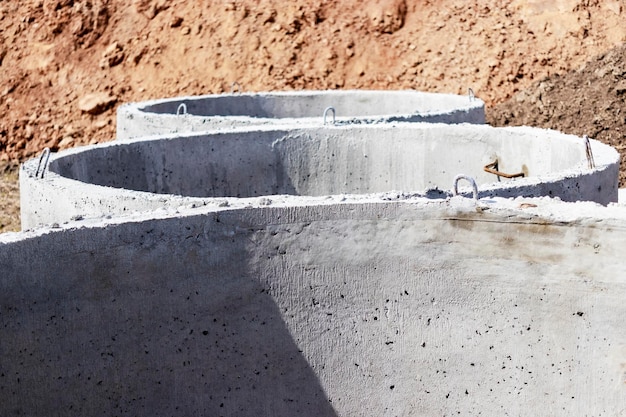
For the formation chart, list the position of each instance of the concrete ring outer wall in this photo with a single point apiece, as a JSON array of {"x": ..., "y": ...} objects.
[
  {"x": 225, "y": 111},
  {"x": 344, "y": 309},
  {"x": 372, "y": 159}
]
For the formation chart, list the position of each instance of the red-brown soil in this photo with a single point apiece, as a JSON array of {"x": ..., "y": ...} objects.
[
  {"x": 587, "y": 101},
  {"x": 57, "y": 55}
]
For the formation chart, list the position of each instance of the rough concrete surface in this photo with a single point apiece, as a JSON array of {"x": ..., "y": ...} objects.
[
  {"x": 219, "y": 111},
  {"x": 414, "y": 158},
  {"x": 341, "y": 309},
  {"x": 529, "y": 290}
]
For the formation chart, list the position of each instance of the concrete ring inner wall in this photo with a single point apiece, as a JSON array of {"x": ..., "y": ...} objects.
[
  {"x": 382, "y": 308},
  {"x": 352, "y": 106},
  {"x": 118, "y": 177}
]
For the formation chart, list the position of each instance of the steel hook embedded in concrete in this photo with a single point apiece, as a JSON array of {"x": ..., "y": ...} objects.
[
  {"x": 471, "y": 95},
  {"x": 468, "y": 179},
  {"x": 182, "y": 109},
  {"x": 232, "y": 87},
  {"x": 45, "y": 153},
  {"x": 492, "y": 168},
  {"x": 326, "y": 110},
  {"x": 590, "y": 162}
]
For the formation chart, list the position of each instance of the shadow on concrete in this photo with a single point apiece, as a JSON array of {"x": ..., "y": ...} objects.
[{"x": 158, "y": 318}]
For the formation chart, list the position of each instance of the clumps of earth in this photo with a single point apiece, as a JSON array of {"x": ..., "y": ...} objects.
[
  {"x": 66, "y": 65},
  {"x": 588, "y": 101}
]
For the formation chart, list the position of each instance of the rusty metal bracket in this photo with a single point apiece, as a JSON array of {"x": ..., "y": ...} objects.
[
  {"x": 492, "y": 168},
  {"x": 45, "y": 156},
  {"x": 590, "y": 162}
]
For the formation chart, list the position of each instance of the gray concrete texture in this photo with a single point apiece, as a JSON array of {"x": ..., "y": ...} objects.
[
  {"x": 297, "y": 268},
  {"x": 382, "y": 308},
  {"x": 225, "y": 111},
  {"x": 223, "y": 167}
]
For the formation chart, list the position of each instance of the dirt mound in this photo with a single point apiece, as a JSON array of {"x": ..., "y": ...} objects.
[
  {"x": 66, "y": 64},
  {"x": 588, "y": 101}
]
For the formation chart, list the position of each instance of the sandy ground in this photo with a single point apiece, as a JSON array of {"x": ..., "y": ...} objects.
[
  {"x": 9, "y": 201},
  {"x": 66, "y": 64}
]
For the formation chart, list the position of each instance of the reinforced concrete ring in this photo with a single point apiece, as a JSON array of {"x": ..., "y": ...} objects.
[
  {"x": 330, "y": 308},
  {"x": 299, "y": 162},
  {"x": 221, "y": 111}
]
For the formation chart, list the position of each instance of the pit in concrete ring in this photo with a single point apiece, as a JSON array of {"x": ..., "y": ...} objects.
[
  {"x": 201, "y": 113},
  {"x": 414, "y": 158}
]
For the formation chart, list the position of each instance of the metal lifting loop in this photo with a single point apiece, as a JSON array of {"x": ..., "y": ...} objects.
[
  {"x": 232, "y": 87},
  {"x": 182, "y": 109},
  {"x": 590, "y": 162},
  {"x": 46, "y": 153},
  {"x": 326, "y": 110},
  {"x": 471, "y": 95},
  {"x": 468, "y": 179}
]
